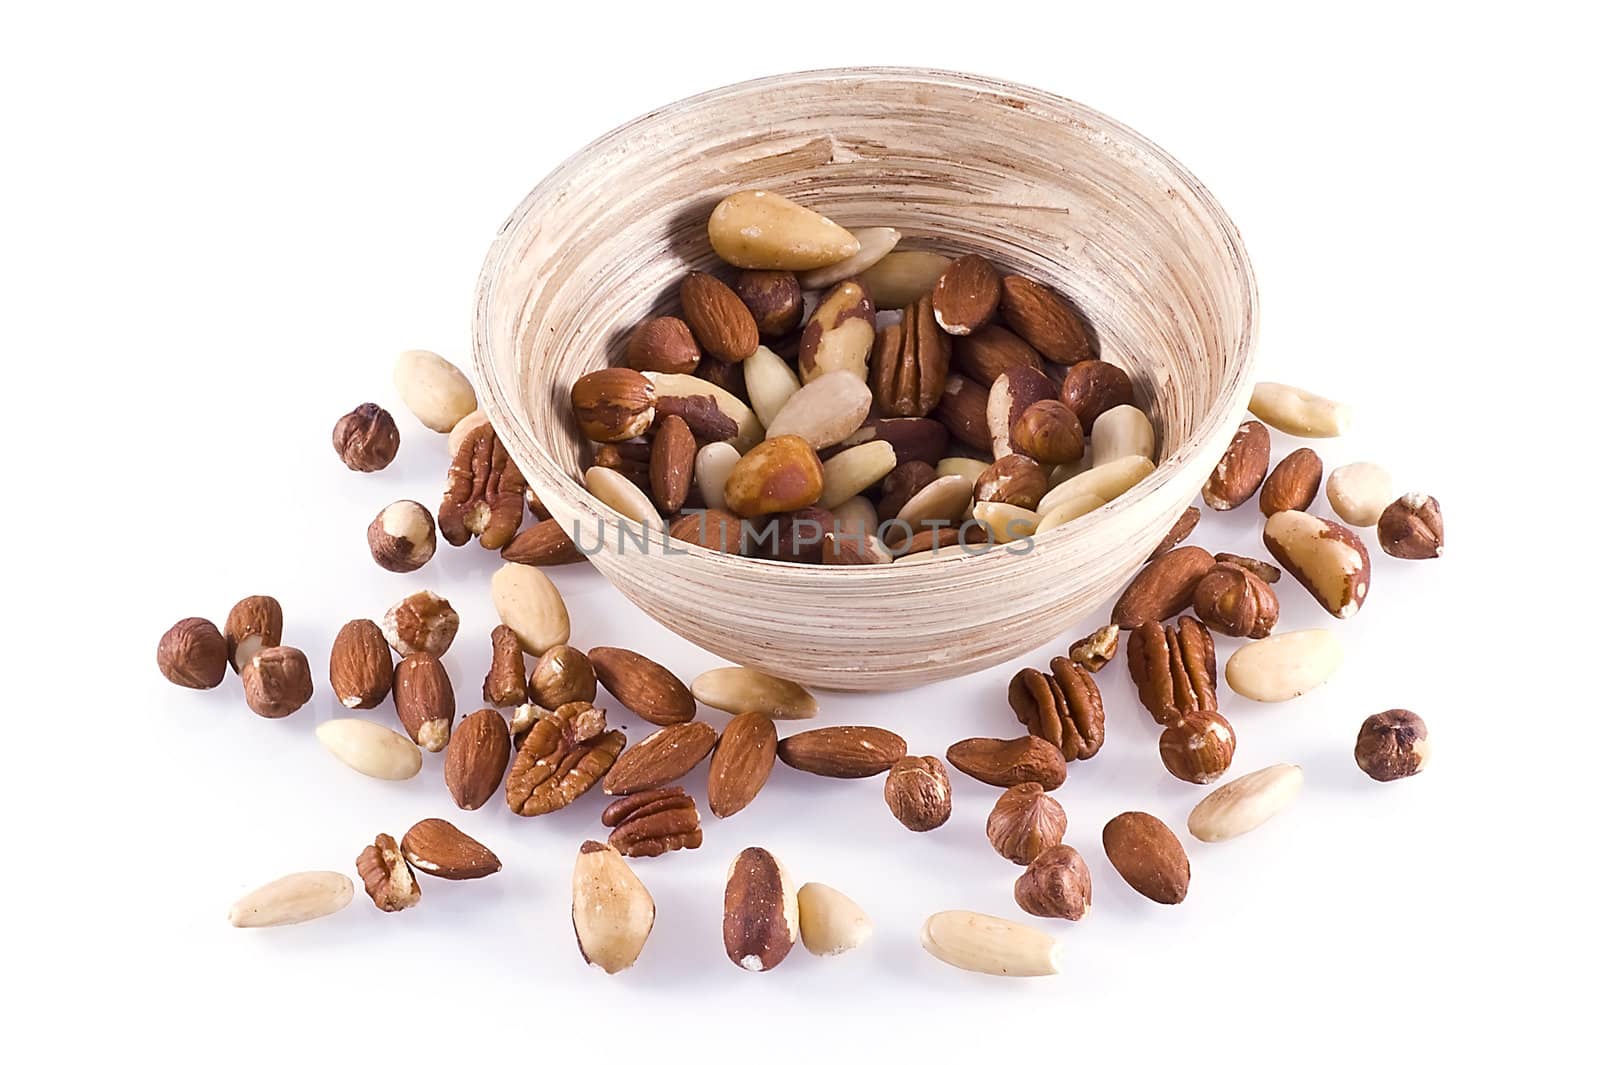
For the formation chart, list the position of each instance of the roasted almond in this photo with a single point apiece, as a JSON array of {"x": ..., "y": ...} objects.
[
  {"x": 612, "y": 404},
  {"x": 1007, "y": 763},
  {"x": 760, "y": 911},
  {"x": 844, "y": 751},
  {"x": 360, "y": 668},
  {"x": 1148, "y": 856},
  {"x": 718, "y": 318},
  {"x": 663, "y": 344},
  {"x": 964, "y": 410},
  {"x": 424, "y": 700},
  {"x": 1242, "y": 469},
  {"x": 1293, "y": 483},
  {"x": 741, "y": 763},
  {"x": 672, "y": 456},
  {"x": 475, "y": 760},
  {"x": 1045, "y": 320},
  {"x": 715, "y": 530},
  {"x": 645, "y": 687},
  {"x": 438, "y": 848},
  {"x": 966, "y": 296},
  {"x": 1163, "y": 589},
  {"x": 544, "y": 543},
  {"x": 660, "y": 758}
]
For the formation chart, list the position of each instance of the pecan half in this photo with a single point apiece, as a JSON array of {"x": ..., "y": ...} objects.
[
  {"x": 1062, "y": 707},
  {"x": 563, "y": 755},
  {"x": 910, "y": 362},
  {"x": 653, "y": 822},
  {"x": 1175, "y": 669},
  {"x": 483, "y": 494}
]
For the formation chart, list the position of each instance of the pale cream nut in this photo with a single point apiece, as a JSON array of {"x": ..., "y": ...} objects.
[
  {"x": 682, "y": 384},
  {"x": 1245, "y": 804},
  {"x": 740, "y": 689},
  {"x": 1359, "y": 491},
  {"x": 903, "y": 277},
  {"x": 983, "y": 944},
  {"x": 1006, "y": 521},
  {"x": 622, "y": 496},
  {"x": 830, "y": 921},
  {"x": 971, "y": 469},
  {"x": 853, "y": 470},
  {"x": 760, "y": 230},
  {"x": 434, "y": 390},
  {"x": 1298, "y": 412},
  {"x": 824, "y": 411},
  {"x": 875, "y": 242},
  {"x": 370, "y": 749},
  {"x": 1121, "y": 432},
  {"x": 1107, "y": 482},
  {"x": 1070, "y": 510},
  {"x": 769, "y": 382},
  {"x": 531, "y": 605},
  {"x": 612, "y": 911},
  {"x": 712, "y": 464},
  {"x": 292, "y": 899},
  {"x": 1284, "y": 665}
]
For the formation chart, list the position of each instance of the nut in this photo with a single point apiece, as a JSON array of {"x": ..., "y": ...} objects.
[
  {"x": 903, "y": 277},
  {"x": 1097, "y": 649},
  {"x": 614, "y": 404},
  {"x": 475, "y": 760},
  {"x": 563, "y": 755},
  {"x": 1324, "y": 556},
  {"x": 1293, "y": 483},
  {"x": 714, "y": 530},
  {"x": 876, "y": 242},
  {"x": 1285, "y": 665},
  {"x": 440, "y": 849},
  {"x": 1049, "y": 432},
  {"x": 917, "y": 790},
  {"x": 453, "y": 439},
  {"x": 1358, "y": 492},
  {"x": 672, "y": 455},
  {"x": 707, "y": 421},
  {"x": 1242, "y": 469},
  {"x": 422, "y": 621},
  {"x": 1245, "y": 804},
  {"x": 1101, "y": 483},
  {"x": 717, "y": 317},
  {"x": 1412, "y": 527},
  {"x": 483, "y": 494},
  {"x": 780, "y": 474},
  {"x": 651, "y": 823},
  {"x": 1298, "y": 412},
  {"x": 992, "y": 945},
  {"x": 544, "y": 543},
  {"x": 1121, "y": 432},
  {"x": 902, "y": 482},
  {"x": 843, "y": 751},
  {"x": 711, "y": 468},
  {"x": 855, "y": 469},
  {"x": 910, "y": 362},
  {"x": 991, "y": 351},
  {"x": 506, "y": 683},
  {"x": 760, "y": 912},
  {"x": 660, "y": 758},
  {"x": 1063, "y": 708},
  {"x": 1007, "y": 763},
  {"x": 1055, "y": 884},
  {"x": 424, "y": 700},
  {"x": 366, "y": 439},
  {"x": 370, "y": 749},
  {"x": 1005, "y": 522},
  {"x": 1044, "y": 320},
  {"x": 277, "y": 681},
  {"x": 824, "y": 411},
  {"x": 769, "y": 382},
  {"x": 612, "y": 913},
  {"x": 292, "y": 899},
  {"x": 760, "y": 230},
  {"x": 696, "y": 390},
  {"x": 648, "y": 689},
  {"x": 193, "y": 654},
  {"x": 386, "y": 876},
  {"x": 530, "y": 604},
  {"x": 773, "y": 298},
  {"x": 1093, "y": 387},
  {"x": 1178, "y": 533},
  {"x": 622, "y": 495},
  {"x": 728, "y": 376},
  {"x": 1012, "y": 393},
  {"x": 664, "y": 344},
  {"x": 741, "y": 763},
  {"x": 940, "y": 503},
  {"x": 1024, "y": 822},
  {"x": 254, "y": 623},
  {"x": 846, "y": 549},
  {"x": 1392, "y": 745},
  {"x": 1163, "y": 588},
  {"x": 562, "y": 675},
  {"x": 1174, "y": 669},
  {"x": 966, "y": 296},
  {"x": 1198, "y": 749},
  {"x": 1015, "y": 479},
  {"x": 432, "y": 389},
  {"x": 401, "y": 537},
  {"x": 1265, "y": 570},
  {"x": 360, "y": 670},
  {"x": 830, "y": 921},
  {"x": 964, "y": 410},
  {"x": 1235, "y": 602},
  {"x": 741, "y": 690},
  {"x": 838, "y": 336},
  {"x": 1148, "y": 856}
]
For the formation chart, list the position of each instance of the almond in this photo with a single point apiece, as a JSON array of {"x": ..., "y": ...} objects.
[
  {"x": 434, "y": 390},
  {"x": 876, "y": 242},
  {"x": 648, "y": 689},
  {"x": 718, "y": 318},
  {"x": 964, "y": 410},
  {"x": 741, "y": 763},
  {"x": 1148, "y": 856},
  {"x": 778, "y": 475},
  {"x": 292, "y": 899},
  {"x": 531, "y": 605},
  {"x": 1163, "y": 589},
  {"x": 424, "y": 700},
  {"x": 371, "y": 749},
  {"x": 844, "y": 751},
  {"x": 544, "y": 543},
  {"x": 672, "y": 456},
  {"x": 739, "y": 690},
  {"x": 663, "y": 344},
  {"x": 1045, "y": 320},
  {"x": 1242, "y": 469},
  {"x": 966, "y": 296},
  {"x": 360, "y": 668},
  {"x": 438, "y": 848},
  {"x": 760, "y": 230},
  {"x": 660, "y": 758},
  {"x": 613, "y": 404},
  {"x": 991, "y": 351},
  {"x": 1284, "y": 666},
  {"x": 1007, "y": 763},
  {"x": 760, "y": 911},
  {"x": 1327, "y": 558},
  {"x": 1293, "y": 484},
  {"x": 1245, "y": 804},
  {"x": 903, "y": 277},
  {"x": 715, "y": 530},
  {"x": 475, "y": 760},
  {"x": 992, "y": 945}
]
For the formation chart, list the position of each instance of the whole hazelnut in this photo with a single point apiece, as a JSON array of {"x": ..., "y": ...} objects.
[
  {"x": 1392, "y": 745},
  {"x": 1412, "y": 527},
  {"x": 1199, "y": 748},
  {"x": 614, "y": 404},
  {"x": 422, "y": 621},
  {"x": 562, "y": 675},
  {"x": 366, "y": 439},
  {"x": 1235, "y": 602},
  {"x": 664, "y": 345},
  {"x": 918, "y": 793},
  {"x": 774, "y": 299},
  {"x": 401, "y": 538},
  {"x": 1024, "y": 822},
  {"x": 193, "y": 654},
  {"x": 1055, "y": 884},
  {"x": 1049, "y": 432},
  {"x": 256, "y": 621},
  {"x": 277, "y": 681},
  {"x": 1015, "y": 479},
  {"x": 1093, "y": 387}
]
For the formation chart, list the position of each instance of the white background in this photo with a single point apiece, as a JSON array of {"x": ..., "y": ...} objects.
[{"x": 221, "y": 225}]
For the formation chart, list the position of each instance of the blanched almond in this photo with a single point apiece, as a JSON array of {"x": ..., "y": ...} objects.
[
  {"x": 292, "y": 899},
  {"x": 983, "y": 944},
  {"x": 1108, "y": 481},
  {"x": 876, "y": 242},
  {"x": 369, "y": 748},
  {"x": 1123, "y": 431},
  {"x": 1245, "y": 804},
  {"x": 854, "y": 470},
  {"x": 1298, "y": 412},
  {"x": 531, "y": 605},
  {"x": 741, "y": 690}
]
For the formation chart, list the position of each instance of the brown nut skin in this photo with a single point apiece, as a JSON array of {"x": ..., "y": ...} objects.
[
  {"x": 1235, "y": 602},
  {"x": 964, "y": 411},
  {"x": 776, "y": 475},
  {"x": 1062, "y": 707},
  {"x": 992, "y": 351},
  {"x": 1024, "y": 822},
  {"x": 1411, "y": 527},
  {"x": 360, "y": 668},
  {"x": 741, "y": 763},
  {"x": 1049, "y": 432},
  {"x": 660, "y": 758},
  {"x": 1392, "y": 745},
  {"x": 1174, "y": 668},
  {"x": 366, "y": 439},
  {"x": 1045, "y": 320},
  {"x": 1198, "y": 749},
  {"x": 562, "y": 675},
  {"x": 910, "y": 362},
  {"x": 386, "y": 876},
  {"x": 1163, "y": 589},
  {"x": 1265, "y": 570},
  {"x": 422, "y": 621},
  {"x": 760, "y": 913},
  {"x": 1096, "y": 650},
  {"x": 645, "y": 687},
  {"x": 917, "y": 791},
  {"x": 903, "y": 482},
  {"x": 1242, "y": 469},
  {"x": 664, "y": 345},
  {"x": 506, "y": 682},
  {"x": 773, "y": 298},
  {"x": 1293, "y": 483},
  {"x": 476, "y": 758},
  {"x": 614, "y": 404},
  {"x": 1007, "y": 763},
  {"x": 1177, "y": 534},
  {"x": 845, "y": 752},
  {"x": 672, "y": 456},
  {"x": 566, "y": 752},
  {"x": 651, "y": 823},
  {"x": 438, "y": 848},
  {"x": 714, "y": 530},
  {"x": 913, "y": 439},
  {"x": 255, "y": 622},
  {"x": 1328, "y": 559},
  {"x": 1055, "y": 884},
  {"x": 966, "y": 296},
  {"x": 277, "y": 681},
  {"x": 424, "y": 700},
  {"x": 1093, "y": 387},
  {"x": 1015, "y": 479},
  {"x": 1148, "y": 856},
  {"x": 401, "y": 538},
  {"x": 719, "y": 320},
  {"x": 544, "y": 543},
  {"x": 796, "y": 536},
  {"x": 193, "y": 654}
]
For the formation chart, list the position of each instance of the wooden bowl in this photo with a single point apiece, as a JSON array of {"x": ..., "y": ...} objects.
[{"x": 1043, "y": 186}]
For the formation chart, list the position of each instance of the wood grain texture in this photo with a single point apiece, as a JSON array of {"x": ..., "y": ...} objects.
[{"x": 1043, "y": 186}]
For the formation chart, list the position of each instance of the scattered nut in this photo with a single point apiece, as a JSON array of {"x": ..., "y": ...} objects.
[
  {"x": 660, "y": 758},
  {"x": 1293, "y": 484},
  {"x": 612, "y": 912},
  {"x": 1097, "y": 649},
  {"x": 370, "y": 749},
  {"x": 1007, "y": 763},
  {"x": 292, "y": 899},
  {"x": 1055, "y": 884},
  {"x": 1235, "y": 602},
  {"x": 1411, "y": 527},
  {"x": 1178, "y": 533},
  {"x": 1298, "y": 412},
  {"x": 1174, "y": 669},
  {"x": 842, "y": 751},
  {"x": 651, "y": 823},
  {"x": 544, "y": 543},
  {"x": 1245, "y": 804},
  {"x": 917, "y": 790},
  {"x": 563, "y": 674},
  {"x": 773, "y": 298},
  {"x": 1063, "y": 707},
  {"x": 475, "y": 760},
  {"x": 1163, "y": 589},
  {"x": 741, "y": 763},
  {"x": 739, "y": 690},
  {"x": 401, "y": 537},
  {"x": 432, "y": 389},
  {"x": 193, "y": 654},
  {"x": 1392, "y": 745},
  {"x": 387, "y": 877},
  {"x": 563, "y": 755},
  {"x": 506, "y": 683},
  {"x": 424, "y": 700},
  {"x": 440, "y": 849},
  {"x": 760, "y": 230},
  {"x": 1358, "y": 492},
  {"x": 360, "y": 669},
  {"x": 760, "y": 911},
  {"x": 992, "y": 945},
  {"x": 531, "y": 605},
  {"x": 422, "y": 621},
  {"x": 1024, "y": 822},
  {"x": 663, "y": 344},
  {"x": 1324, "y": 556},
  {"x": 277, "y": 681},
  {"x": 483, "y": 494},
  {"x": 366, "y": 439},
  {"x": 1148, "y": 856},
  {"x": 830, "y": 922},
  {"x": 1285, "y": 665},
  {"x": 1199, "y": 748},
  {"x": 254, "y": 623},
  {"x": 1265, "y": 570},
  {"x": 1242, "y": 469},
  {"x": 648, "y": 689},
  {"x": 854, "y": 470}
]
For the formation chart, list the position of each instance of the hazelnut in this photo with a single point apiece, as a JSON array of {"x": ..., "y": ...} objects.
[
  {"x": 1093, "y": 387},
  {"x": 1198, "y": 748},
  {"x": 1050, "y": 432},
  {"x": 1015, "y": 479},
  {"x": 367, "y": 438},
  {"x": 422, "y": 621},
  {"x": 1412, "y": 527},
  {"x": 1055, "y": 884},
  {"x": 401, "y": 537},
  {"x": 255, "y": 622},
  {"x": 664, "y": 345},
  {"x": 277, "y": 681},
  {"x": 1024, "y": 822},
  {"x": 614, "y": 404},
  {"x": 1392, "y": 745},
  {"x": 918, "y": 793},
  {"x": 774, "y": 299},
  {"x": 1236, "y": 602},
  {"x": 193, "y": 654},
  {"x": 562, "y": 675}
]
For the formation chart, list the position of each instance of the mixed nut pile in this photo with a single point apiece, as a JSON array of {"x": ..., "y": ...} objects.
[{"x": 946, "y": 427}]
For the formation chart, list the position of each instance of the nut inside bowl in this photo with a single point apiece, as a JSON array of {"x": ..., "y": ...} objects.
[{"x": 1043, "y": 186}]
